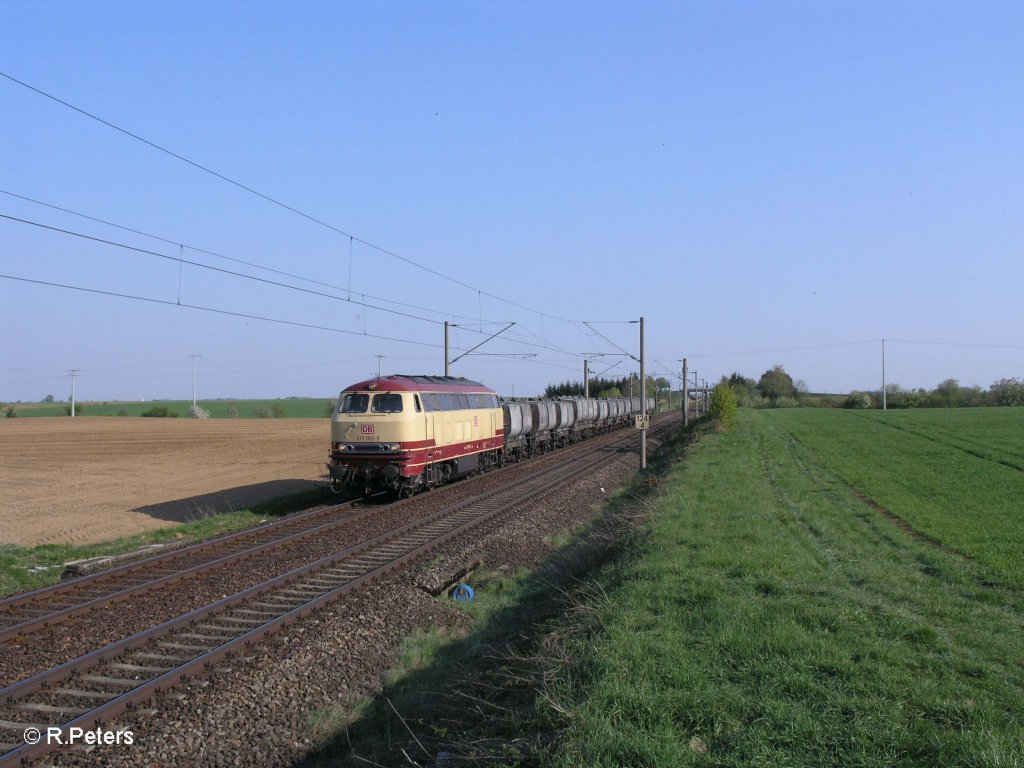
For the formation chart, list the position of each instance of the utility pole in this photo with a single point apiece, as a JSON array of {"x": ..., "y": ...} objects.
[
  {"x": 586, "y": 377},
  {"x": 686, "y": 398},
  {"x": 72, "y": 373},
  {"x": 193, "y": 357},
  {"x": 643, "y": 400},
  {"x": 696, "y": 397},
  {"x": 883, "y": 375},
  {"x": 379, "y": 358},
  {"x": 445, "y": 347}
]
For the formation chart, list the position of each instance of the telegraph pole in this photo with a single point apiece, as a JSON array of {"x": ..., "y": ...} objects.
[
  {"x": 379, "y": 358},
  {"x": 445, "y": 347},
  {"x": 586, "y": 377},
  {"x": 686, "y": 398},
  {"x": 193, "y": 357},
  {"x": 643, "y": 401},
  {"x": 72, "y": 373},
  {"x": 883, "y": 375}
]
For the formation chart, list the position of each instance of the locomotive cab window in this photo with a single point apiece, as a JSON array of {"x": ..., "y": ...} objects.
[
  {"x": 387, "y": 403},
  {"x": 354, "y": 402}
]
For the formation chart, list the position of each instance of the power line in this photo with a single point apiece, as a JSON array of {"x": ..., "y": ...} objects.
[
  {"x": 232, "y": 273},
  {"x": 243, "y": 315},
  {"x": 214, "y": 310},
  {"x": 268, "y": 198},
  {"x": 233, "y": 259},
  {"x": 630, "y": 354},
  {"x": 276, "y": 284}
]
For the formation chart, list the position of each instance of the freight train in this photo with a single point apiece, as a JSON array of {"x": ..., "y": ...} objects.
[{"x": 406, "y": 433}]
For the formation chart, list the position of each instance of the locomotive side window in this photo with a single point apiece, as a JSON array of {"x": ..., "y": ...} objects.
[
  {"x": 354, "y": 402},
  {"x": 431, "y": 401},
  {"x": 387, "y": 403},
  {"x": 463, "y": 401},
  {"x": 416, "y": 402}
]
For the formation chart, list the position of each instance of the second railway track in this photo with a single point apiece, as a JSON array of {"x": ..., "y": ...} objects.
[{"x": 99, "y": 686}]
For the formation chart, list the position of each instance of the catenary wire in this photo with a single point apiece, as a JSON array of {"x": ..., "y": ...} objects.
[
  {"x": 274, "y": 201},
  {"x": 197, "y": 249}
]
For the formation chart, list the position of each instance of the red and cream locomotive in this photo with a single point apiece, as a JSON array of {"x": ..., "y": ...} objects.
[{"x": 405, "y": 433}]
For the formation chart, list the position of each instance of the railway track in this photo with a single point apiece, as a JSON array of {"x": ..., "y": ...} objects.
[
  {"x": 97, "y": 687},
  {"x": 29, "y": 611}
]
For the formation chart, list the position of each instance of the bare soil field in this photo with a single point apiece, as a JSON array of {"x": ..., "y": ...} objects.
[{"x": 86, "y": 480}]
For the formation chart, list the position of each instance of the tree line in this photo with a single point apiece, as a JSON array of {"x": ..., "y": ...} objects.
[
  {"x": 777, "y": 389},
  {"x": 599, "y": 387}
]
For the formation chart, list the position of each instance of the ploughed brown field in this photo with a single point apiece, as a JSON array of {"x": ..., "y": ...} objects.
[{"x": 87, "y": 479}]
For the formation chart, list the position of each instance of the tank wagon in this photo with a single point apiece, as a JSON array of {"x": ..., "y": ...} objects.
[{"x": 405, "y": 433}]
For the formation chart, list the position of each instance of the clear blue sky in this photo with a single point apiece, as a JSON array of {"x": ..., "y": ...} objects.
[{"x": 763, "y": 182}]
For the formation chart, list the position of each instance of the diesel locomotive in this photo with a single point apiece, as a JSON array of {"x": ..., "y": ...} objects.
[{"x": 406, "y": 433}]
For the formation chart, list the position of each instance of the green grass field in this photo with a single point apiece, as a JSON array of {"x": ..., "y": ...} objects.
[
  {"x": 776, "y": 617},
  {"x": 956, "y": 475},
  {"x": 772, "y": 615},
  {"x": 292, "y": 408}
]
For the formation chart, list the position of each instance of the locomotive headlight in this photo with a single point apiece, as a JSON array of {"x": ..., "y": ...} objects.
[{"x": 395, "y": 447}]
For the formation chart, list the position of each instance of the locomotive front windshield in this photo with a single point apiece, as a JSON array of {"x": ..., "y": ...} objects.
[
  {"x": 354, "y": 402},
  {"x": 383, "y": 402},
  {"x": 387, "y": 403}
]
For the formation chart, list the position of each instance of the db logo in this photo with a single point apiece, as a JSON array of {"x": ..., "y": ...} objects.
[{"x": 366, "y": 429}]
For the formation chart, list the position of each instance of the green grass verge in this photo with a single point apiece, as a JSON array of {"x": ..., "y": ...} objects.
[
  {"x": 774, "y": 617},
  {"x": 769, "y": 616},
  {"x": 27, "y": 568}
]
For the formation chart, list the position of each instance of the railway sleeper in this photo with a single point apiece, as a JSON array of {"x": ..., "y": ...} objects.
[
  {"x": 194, "y": 649},
  {"x": 330, "y": 583},
  {"x": 276, "y": 607},
  {"x": 160, "y": 657},
  {"x": 240, "y": 620},
  {"x": 30, "y": 706},
  {"x": 105, "y": 680},
  {"x": 229, "y": 633},
  {"x": 138, "y": 668},
  {"x": 79, "y": 694},
  {"x": 197, "y": 636}
]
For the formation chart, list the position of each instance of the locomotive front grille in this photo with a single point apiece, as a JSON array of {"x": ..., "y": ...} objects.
[{"x": 364, "y": 448}]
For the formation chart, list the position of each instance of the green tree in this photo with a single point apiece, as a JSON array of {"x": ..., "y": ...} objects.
[
  {"x": 565, "y": 389},
  {"x": 1006, "y": 392},
  {"x": 858, "y": 400},
  {"x": 947, "y": 394},
  {"x": 278, "y": 411},
  {"x": 775, "y": 383},
  {"x": 723, "y": 405}
]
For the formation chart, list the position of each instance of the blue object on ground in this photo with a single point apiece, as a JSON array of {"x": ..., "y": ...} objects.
[{"x": 463, "y": 592}]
